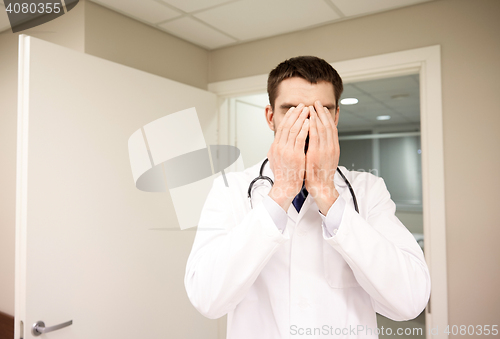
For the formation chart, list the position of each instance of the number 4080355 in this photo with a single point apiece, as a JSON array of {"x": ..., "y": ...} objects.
[
  {"x": 32, "y": 8},
  {"x": 471, "y": 330}
]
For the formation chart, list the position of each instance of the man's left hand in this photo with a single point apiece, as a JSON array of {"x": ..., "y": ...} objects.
[{"x": 322, "y": 157}]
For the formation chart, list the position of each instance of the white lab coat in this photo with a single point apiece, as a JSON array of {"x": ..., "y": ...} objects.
[{"x": 275, "y": 285}]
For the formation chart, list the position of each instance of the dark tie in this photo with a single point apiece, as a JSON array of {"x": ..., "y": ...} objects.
[{"x": 299, "y": 199}]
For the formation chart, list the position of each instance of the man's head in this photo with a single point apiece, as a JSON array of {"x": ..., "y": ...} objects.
[
  {"x": 303, "y": 79},
  {"x": 310, "y": 68}
]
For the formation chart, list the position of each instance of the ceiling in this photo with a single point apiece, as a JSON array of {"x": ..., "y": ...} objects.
[
  {"x": 213, "y": 24},
  {"x": 397, "y": 97}
]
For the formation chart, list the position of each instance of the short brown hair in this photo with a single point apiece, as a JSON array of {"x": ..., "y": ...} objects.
[{"x": 310, "y": 68}]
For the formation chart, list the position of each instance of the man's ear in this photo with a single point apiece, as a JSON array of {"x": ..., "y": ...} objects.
[
  {"x": 336, "y": 120},
  {"x": 269, "y": 117}
]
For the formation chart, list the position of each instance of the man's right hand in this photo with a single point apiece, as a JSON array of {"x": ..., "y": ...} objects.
[{"x": 286, "y": 155}]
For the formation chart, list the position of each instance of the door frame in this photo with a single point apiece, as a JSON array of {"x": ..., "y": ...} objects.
[{"x": 426, "y": 62}]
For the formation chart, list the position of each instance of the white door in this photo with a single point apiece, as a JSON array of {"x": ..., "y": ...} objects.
[{"x": 88, "y": 248}]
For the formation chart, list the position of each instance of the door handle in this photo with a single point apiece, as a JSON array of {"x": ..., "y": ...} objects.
[{"x": 39, "y": 327}]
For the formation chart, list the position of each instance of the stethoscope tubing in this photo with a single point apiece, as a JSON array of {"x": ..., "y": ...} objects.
[{"x": 263, "y": 177}]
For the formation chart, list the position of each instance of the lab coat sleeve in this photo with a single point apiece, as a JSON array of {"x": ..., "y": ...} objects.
[
  {"x": 331, "y": 221},
  {"x": 384, "y": 256},
  {"x": 276, "y": 212},
  {"x": 229, "y": 250}
]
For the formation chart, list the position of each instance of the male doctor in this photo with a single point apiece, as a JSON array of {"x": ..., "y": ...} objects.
[{"x": 300, "y": 261}]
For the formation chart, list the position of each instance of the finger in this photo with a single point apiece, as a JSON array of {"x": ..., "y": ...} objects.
[
  {"x": 325, "y": 122},
  {"x": 300, "y": 141},
  {"x": 297, "y": 126},
  {"x": 322, "y": 131},
  {"x": 313, "y": 131},
  {"x": 287, "y": 124},
  {"x": 279, "y": 129},
  {"x": 320, "y": 108},
  {"x": 335, "y": 131}
]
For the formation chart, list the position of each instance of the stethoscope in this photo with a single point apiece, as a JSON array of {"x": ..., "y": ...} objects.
[{"x": 263, "y": 177}]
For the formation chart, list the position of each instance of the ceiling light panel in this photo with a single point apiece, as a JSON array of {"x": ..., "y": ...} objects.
[
  {"x": 394, "y": 120},
  {"x": 253, "y": 19},
  {"x": 195, "y": 5},
  {"x": 363, "y": 99},
  {"x": 349, "y": 101},
  {"x": 196, "y": 32},
  {"x": 383, "y": 117},
  {"x": 145, "y": 10},
  {"x": 358, "y": 7}
]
